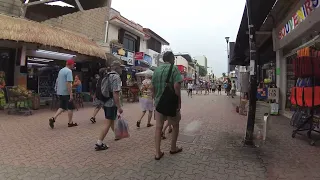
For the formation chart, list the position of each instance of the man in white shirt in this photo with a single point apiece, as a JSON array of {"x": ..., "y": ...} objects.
[
  {"x": 190, "y": 87},
  {"x": 233, "y": 89}
]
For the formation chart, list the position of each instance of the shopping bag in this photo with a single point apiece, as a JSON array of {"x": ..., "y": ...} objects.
[
  {"x": 274, "y": 108},
  {"x": 122, "y": 128}
]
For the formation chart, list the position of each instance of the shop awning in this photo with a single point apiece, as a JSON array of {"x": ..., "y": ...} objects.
[
  {"x": 23, "y": 30},
  {"x": 260, "y": 10}
]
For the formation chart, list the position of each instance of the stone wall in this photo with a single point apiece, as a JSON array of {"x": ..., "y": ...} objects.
[
  {"x": 91, "y": 23},
  {"x": 10, "y": 7}
]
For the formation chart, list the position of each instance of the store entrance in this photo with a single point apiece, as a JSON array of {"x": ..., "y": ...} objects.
[{"x": 7, "y": 62}]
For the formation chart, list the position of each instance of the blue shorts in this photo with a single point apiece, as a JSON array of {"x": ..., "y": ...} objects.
[{"x": 110, "y": 113}]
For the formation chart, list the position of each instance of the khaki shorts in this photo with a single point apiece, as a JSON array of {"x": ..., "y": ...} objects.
[{"x": 160, "y": 118}]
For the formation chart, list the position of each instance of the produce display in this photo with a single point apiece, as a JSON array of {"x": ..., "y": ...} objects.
[{"x": 18, "y": 93}]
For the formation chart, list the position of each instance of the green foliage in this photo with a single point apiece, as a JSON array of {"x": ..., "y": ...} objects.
[{"x": 202, "y": 71}]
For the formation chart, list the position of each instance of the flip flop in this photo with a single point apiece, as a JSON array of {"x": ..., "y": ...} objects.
[
  {"x": 179, "y": 150},
  {"x": 158, "y": 158}
]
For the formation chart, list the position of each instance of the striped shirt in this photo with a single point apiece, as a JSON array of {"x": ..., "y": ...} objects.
[{"x": 159, "y": 79}]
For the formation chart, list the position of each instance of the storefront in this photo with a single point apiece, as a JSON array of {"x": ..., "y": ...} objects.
[
  {"x": 32, "y": 60},
  {"x": 299, "y": 30}
]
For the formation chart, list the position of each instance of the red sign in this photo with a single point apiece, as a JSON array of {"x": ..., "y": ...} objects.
[
  {"x": 181, "y": 68},
  {"x": 138, "y": 56}
]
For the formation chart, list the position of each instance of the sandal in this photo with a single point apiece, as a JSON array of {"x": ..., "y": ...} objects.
[
  {"x": 72, "y": 124},
  {"x": 149, "y": 125},
  {"x": 93, "y": 120},
  {"x": 170, "y": 130},
  {"x": 51, "y": 122},
  {"x": 179, "y": 150},
  {"x": 158, "y": 158},
  {"x": 138, "y": 123}
]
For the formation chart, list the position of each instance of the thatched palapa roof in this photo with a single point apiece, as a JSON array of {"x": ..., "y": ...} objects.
[{"x": 18, "y": 29}]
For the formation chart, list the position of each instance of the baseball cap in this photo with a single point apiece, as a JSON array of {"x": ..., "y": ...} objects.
[{"x": 70, "y": 62}]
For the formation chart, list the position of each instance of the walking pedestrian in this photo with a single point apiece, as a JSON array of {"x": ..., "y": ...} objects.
[
  {"x": 64, "y": 91},
  {"x": 146, "y": 100},
  {"x": 167, "y": 75},
  {"x": 111, "y": 91},
  {"x": 190, "y": 87},
  {"x": 97, "y": 101},
  {"x": 219, "y": 89},
  {"x": 233, "y": 89},
  {"x": 213, "y": 87}
]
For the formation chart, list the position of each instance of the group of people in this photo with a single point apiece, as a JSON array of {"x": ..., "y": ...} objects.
[
  {"x": 206, "y": 86},
  {"x": 107, "y": 97},
  {"x": 230, "y": 88}
]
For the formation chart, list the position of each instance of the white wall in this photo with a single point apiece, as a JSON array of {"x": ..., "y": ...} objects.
[
  {"x": 181, "y": 61},
  {"x": 113, "y": 33},
  {"x": 143, "y": 46}
]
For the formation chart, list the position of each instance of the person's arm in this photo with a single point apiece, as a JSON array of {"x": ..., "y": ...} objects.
[
  {"x": 177, "y": 84},
  {"x": 69, "y": 84},
  {"x": 116, "y": 88}
]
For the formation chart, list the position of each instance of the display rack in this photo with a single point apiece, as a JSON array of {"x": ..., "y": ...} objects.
[
  {"x": 45, "y": 86},
  {"x": 304, "y": 96}
]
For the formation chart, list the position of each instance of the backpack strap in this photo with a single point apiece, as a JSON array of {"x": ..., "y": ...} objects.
[{"x": 169, "y": 74}]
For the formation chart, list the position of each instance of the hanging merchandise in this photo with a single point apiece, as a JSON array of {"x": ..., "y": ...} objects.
[{"x": 2, "y": 86}]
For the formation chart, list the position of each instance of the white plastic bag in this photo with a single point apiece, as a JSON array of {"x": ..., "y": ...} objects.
[{"x": 121, "y": 128}]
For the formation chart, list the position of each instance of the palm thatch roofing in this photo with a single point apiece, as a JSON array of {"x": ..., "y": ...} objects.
[{"x": 23, "y": 30}]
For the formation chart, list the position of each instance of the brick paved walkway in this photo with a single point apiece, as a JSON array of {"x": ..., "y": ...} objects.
[{"x": 211, "y": 135}]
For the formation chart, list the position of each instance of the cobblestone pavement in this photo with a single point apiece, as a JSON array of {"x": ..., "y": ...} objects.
[{"x": 211, "y": 135}]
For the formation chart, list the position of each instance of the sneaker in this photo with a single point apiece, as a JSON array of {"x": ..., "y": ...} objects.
[
  {"x": 93, "y": 120},
  {"x": 101, "y": 147},
  {"x": 51, "y": 122}
]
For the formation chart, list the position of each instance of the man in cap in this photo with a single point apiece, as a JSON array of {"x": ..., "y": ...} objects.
[
  {"x": 64, "y": 91},
  {"x": 112, "y": 106}
]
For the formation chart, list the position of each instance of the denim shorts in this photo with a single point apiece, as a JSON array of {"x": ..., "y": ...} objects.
[{"x": 110, "y": 113}]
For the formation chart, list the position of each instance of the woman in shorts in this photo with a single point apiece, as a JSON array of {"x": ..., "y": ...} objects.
[{"x": 146, "y": 100}]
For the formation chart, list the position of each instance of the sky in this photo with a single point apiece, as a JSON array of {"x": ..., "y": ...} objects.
[{"x": 194, "y": 27}]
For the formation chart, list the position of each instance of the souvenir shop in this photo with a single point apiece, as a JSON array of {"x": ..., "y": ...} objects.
[
  {"x": 298, "y": 59},
  {"x": 42, "y": 68}
]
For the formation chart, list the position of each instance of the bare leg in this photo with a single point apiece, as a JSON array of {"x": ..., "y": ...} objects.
[
  {"x": 175, "y": 134},
  {"x": 59, "y": 111},
  {"x": 95, "y": 112},
  {"x": 143, "y": 113},
  {"x": 150, "y": 117},
  {"x": 70, "y": 115},
  {"x": 105, "y": 129},
  {"x": 159, "y": 126}
]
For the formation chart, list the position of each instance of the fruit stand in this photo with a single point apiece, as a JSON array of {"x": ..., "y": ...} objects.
[{"x": 19, "y": 100}]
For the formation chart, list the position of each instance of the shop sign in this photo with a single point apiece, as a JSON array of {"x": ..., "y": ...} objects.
[
  {"x": 273, "y": 94},
  {"x": 139, "y": 55},
  {"x": 123, "y": 55},
  {"x": 147, "y": 59},
  {"x": 130, "y": 58},
  {"x": 299, "y": 16}
]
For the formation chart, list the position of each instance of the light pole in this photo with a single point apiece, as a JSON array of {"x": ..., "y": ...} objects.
[
  {"x": 227, "y": 40},
  {"x": 253, "y": 77},
  {"x": 195, "y": 72}
]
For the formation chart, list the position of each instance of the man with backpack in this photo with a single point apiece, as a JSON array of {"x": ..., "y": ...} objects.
[
  {"x": 97, "y": 101},
  {"x": 166, "y": 83},
  {"x": 108, "y": 89}
]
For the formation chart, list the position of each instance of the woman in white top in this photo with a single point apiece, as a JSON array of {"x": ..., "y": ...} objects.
[
  {"x": 146, "y": 100},
  {"x": 190, "y": 87}
]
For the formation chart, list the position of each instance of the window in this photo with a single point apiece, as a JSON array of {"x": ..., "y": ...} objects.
[
  {"x": 129, "y": 43},
  {"x": 154, "y": 45}
]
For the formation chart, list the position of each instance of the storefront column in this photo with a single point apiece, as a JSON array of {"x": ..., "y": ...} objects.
[
  {"x": 281, "y": 69},
  {"x": 21, "y": 78}
]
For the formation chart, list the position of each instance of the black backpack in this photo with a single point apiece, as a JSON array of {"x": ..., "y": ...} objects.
[
  {"x": 99, "y": 94},
  {"x": 169, "y": 101}
]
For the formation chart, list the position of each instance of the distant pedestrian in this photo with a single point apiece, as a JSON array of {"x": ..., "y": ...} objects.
[
  {"x": 146, "y": 100},
  {"x": 97, "y": 100},
  {"x": 167, "y": 77},
  {"x": 233, "y": 89},
  {"x": 213, "y": 87},
  {"x": 190, "y": 87},
  {"x": 219, "y": 88},
  {"x": 111, "y": 91},
  {"x": 64, "y": 91}
]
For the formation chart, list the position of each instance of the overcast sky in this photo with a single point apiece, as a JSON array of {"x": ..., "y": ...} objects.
[{"x": 197, "y": 27}]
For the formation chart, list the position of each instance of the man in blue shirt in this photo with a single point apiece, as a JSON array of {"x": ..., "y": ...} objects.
[{"x": 64, "y": 91}]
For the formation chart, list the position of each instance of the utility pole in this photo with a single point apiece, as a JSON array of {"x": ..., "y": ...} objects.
[{"x": 253, "y": 77}]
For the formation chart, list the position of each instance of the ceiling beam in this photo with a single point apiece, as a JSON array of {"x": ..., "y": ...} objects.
[
  {"x": 39, "y": 2},
  {"x": 262, "y": 32},
  {"x": 79, "y": 5}
]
